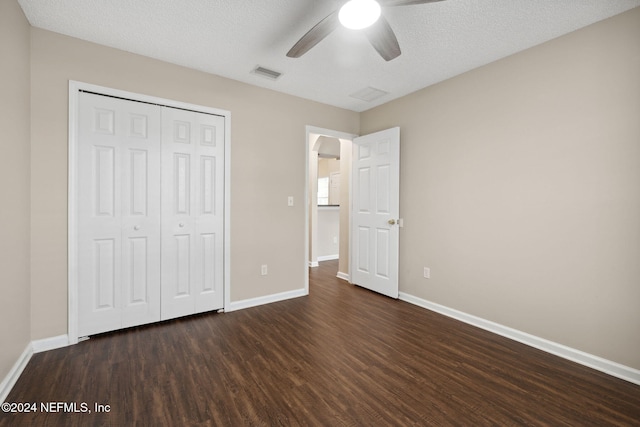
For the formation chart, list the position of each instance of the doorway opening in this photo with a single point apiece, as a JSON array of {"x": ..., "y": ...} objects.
[{"x": 328, "y": 168}]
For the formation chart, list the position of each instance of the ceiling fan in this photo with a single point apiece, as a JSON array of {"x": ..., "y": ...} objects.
[{"x": 358, "y": 14}]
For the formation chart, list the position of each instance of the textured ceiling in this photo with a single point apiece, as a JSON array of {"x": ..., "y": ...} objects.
[{"x": 231, "y": 37}]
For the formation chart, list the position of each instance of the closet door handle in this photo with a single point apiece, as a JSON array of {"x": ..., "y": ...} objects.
[
  {"x": 136, "y": 227},
  {"x": 181, "y": 225}
]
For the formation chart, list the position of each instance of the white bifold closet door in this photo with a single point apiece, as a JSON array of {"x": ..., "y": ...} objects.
[
  {"x": 150, "y": 213},
  {"x": 118, "y": 214},
  {"x": 192, "y": 212}
]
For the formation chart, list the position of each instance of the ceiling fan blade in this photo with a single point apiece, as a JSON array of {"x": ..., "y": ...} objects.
[
  {"x": 383, "y": 39},
  {"x": 391, "y": 3},
  {"x": 314, "y": 36}
]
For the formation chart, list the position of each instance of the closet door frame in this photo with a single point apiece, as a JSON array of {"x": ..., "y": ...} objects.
[{"x": 75, "y": 88}]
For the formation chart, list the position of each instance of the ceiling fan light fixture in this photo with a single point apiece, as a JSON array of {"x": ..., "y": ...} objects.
[{"x": 359, "y": 14}]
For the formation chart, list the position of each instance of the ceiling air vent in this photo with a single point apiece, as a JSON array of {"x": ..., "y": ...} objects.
[
  {"x": 369, "y": 94},
  {"x": 265, "y": 72}
]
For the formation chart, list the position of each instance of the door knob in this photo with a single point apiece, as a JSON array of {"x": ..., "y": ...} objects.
[
  {"x": 136, "y": 227},
  {"x": 391, "y": 221},
  {"x": 181, "y": 225}
]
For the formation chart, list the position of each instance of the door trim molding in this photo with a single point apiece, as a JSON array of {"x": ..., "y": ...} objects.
[{"x": 72, "y": 233}]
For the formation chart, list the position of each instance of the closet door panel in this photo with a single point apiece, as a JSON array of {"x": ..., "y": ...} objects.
[
  {"x": 209, "y": 213},
  {"x": 193, "y": 222},
  {"x": 178, "y": 225},
  {"x": 118, "y": 214},
  {"x": 141, "y": 212},
  {"x": 99, "y": 239}
]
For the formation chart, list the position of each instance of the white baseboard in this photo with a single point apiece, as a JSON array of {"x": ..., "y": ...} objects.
[
  {"x": 328, "y": 257},
  {"x": 313, "y": 264},
  {"x": 603, "y": 365},
  {"x": 50, "y": 343},
  {"x": 343, "y": 276},
  {"x": 16, "y": 370},
  {"x": 267, "y": 299}
]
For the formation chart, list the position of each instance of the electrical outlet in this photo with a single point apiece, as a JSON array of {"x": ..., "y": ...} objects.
[
  {"x": 335, "y": 239},
  {"x": 263, "y": 270},
  {"x": 290, "y": 201},
  {"x": 427, "y": 273}
]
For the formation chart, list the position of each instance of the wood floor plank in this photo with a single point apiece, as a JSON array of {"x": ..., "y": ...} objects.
[{"x": 343, "y": 356}]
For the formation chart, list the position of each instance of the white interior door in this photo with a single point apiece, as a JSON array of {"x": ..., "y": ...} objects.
[
  {"x": 118, "y": 213},
  {"x": 375, "y": 211},
  {"x": 192, "y": 212}
]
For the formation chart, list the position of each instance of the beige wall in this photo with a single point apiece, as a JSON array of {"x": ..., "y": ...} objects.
[
  {"x": 520, "y": 188},
  {"x": 328, "y": 229},
  {"x": 327, "y": 166},
  {"x": 14, "y": 185},
  {"x": 267, "y": 165}
]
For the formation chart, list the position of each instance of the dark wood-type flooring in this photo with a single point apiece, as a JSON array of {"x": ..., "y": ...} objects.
[{"x": 341, "y": 356}]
